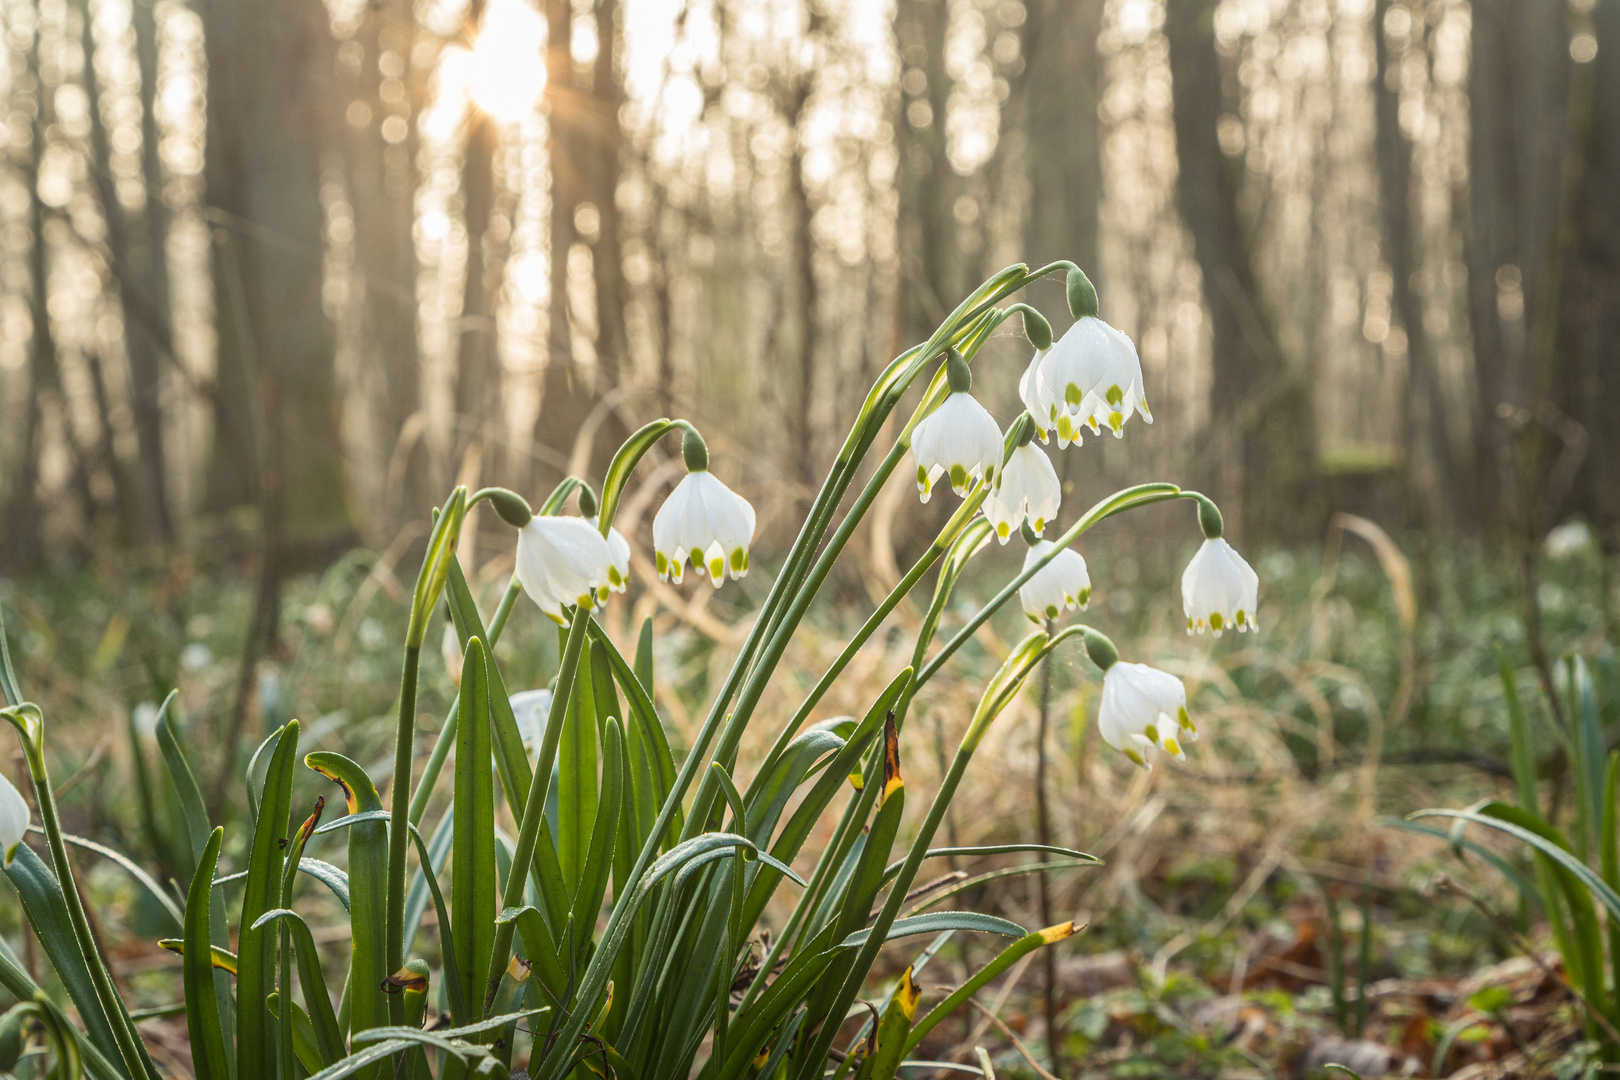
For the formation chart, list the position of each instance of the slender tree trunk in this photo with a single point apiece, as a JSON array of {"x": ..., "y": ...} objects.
[
  {"x": 477, "y": 364},
  {"x": 1264, "y": 441},
  {"x": 382, "y": 185},
  {"x": 1430, "y": 467},
  {"x": 1061, "y": 87},
  {"x": 141, "y": 275},
  {"x": 801, "y": 392},
  {"x": 931, "y": 265}
]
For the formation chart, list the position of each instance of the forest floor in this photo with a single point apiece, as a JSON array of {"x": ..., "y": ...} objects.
[{"x": 1263, "y": 910}]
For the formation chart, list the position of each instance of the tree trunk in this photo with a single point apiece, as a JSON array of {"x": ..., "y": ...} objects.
[
  {"x": 931, "y": 266},
  {"x": 800, "y": 392},
  {"x": 141, "y": 276},
  {"x": 1062, "y": 88},
  {"x": 1431, "y": 470},
  {"x": 477, "y": 362},
  {"x": 382, "y": 187},
  {"x": 1263, "y": 444}
]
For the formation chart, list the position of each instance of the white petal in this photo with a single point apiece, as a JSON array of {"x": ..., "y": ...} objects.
[
  {"x": 1219, "y": 589},
  {"x": 959, "y": 434},
  {"x": 13, "y": 819}
]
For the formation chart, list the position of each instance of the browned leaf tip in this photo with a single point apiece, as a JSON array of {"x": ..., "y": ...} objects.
[{"x": 891, "y": 756}]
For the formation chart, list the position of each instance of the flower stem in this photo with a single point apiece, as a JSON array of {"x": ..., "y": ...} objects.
[
  {"x": 398, "y": 834},
  {"x": 30, "y": 724}
]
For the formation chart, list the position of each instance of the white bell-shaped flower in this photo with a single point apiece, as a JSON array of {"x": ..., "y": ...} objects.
[
  {"x": 707, "y": 522},
  {"x": 562, "y": 561},
  {"x": 530, "y": 708},
  {"x": 1219, "y": 590},
  {"x": 1045, "y": 406},
  {"x": 1093, "y": 370},
  {"x": 13, "y": 819},
  {"x": 1026, "y": 488},
  {"x": 1143, "y": 707},
  {"x": 618, "y": 573},
  {"x": 1060, "y": 585},
  {"x": 959, "y": 439}
]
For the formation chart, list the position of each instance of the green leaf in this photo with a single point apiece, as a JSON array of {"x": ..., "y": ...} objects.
[
  {"x": 23, "y": 988},
  {"x": 541, "y": 950},
  {"x": 208, "y": 1051},
  {"x": 644, "y": 657},
  {"x": 306, "y": 1048},
  {"x": 936, "y": 921},
  {"x": 328, "y": 1039},
  {"x": 466, "y": 1031},
  {"x": 1523, "y": 752},
  {"x": 438, "y": 849},
  {"x": 599, "y": 855},
  {"x": 1004, "y": 960},
  {"x": 130, "y": 867},
  {"x": 576, "y": 778},
  {"x": 642, "y": 722},
  {"x": 256, "y": 948},
  {"x": 996, "y": 849},
  {"x": 364, "y": 1059},
  {"x": 472, "y": 869},
  {"x": 1526, "y": 887},
  {"x": 46, "y": 908},
  {"x": 194, "y": 812}
]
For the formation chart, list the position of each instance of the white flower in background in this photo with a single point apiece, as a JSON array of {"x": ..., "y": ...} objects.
[
  {"x": 560, "y": 562},
  {"x": 530, "y": 708},
  {"x": 1027, "y": 487},
  {"x": 959, "y": 439},
  {"x": 1056, "y": 587},
  {"x": 1093, "y": 370},
  {"x": 1143, "y": 707},
  {"x": 13, "y": 820},
  {"x": 707, "y": 522},
  {"x": 450, "y": 650},
  {"x": 1219, "y": 590}
]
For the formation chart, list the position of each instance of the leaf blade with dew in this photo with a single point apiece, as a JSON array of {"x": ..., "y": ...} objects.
[
  {"x": 934, "y": 922},
  {"x": 598, "y": 865},
  {"x": 1079, "y": 857},
  {"x": 640, "y": 709},
  {"x": 576, "y": 777},
  {"x": 208, "y": 1050}
]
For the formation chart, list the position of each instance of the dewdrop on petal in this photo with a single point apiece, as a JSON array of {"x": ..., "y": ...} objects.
[
  {"x": 703, "y": 520},
  {"x": 959, "y": 440}
]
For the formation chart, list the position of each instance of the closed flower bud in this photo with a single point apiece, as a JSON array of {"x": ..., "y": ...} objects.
[
  {"x": 1060, "y": 585},
  {"x": 705, "y": 521},
  {"x": 1143, "y": 707},
  {"x": 1219, "y": 590}
]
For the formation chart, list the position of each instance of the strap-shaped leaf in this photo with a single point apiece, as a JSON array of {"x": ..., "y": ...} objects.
[
  {"x": 643, "y": 717},
  {"x": 1004, "y": 960},
  {"x": 46, "y": 909},
  {"x": 130, "y": 867},
  {"x": 209, "y": 1055},
  {"x": 438, "y": 849},
  {"x": 306, "y": 1047},
  {"x": 472, "y": 867},
  {"x": 576, "y": 777},
  {"x": 20, "y": 986},
  {"x": 256, "y": 948},
  {"x": 996, "y": 849},
  {"x": 599, "y": 855},
  {"x": 328, "y": 1039},
  {"x": 934, "y": 922}
]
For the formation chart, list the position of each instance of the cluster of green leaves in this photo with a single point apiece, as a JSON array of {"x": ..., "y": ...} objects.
[
  {"x": 680, "y": 859},
  {"x": 1570, "y": 881}
]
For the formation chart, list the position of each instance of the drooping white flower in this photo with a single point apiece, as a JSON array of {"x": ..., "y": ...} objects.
[
  {"x": 1027, "y": 487},
  {"x": 13, "y": 819},
  {"x": 1143, "y": 707},
  {"x": 1061, "y": 584},
  {"x": 1219, "y": 590},
  {"x": 618, "y": 574},
  {"x": 530, "y": 708},
  {"x": 561, "y": 561},
  {"x": 705, "y": 521},
  {"x": 1045, "y": 407},
  {"x": 959, "y": 440},
  {"x": 1095, "y": 376}
]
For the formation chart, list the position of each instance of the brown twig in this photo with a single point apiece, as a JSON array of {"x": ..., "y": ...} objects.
[{"x": 1017, "y": 1045}]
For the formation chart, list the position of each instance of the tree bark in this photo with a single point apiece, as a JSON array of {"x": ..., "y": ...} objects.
[
  {"x": 1260, "y": 410},
  {"x": 931, "y": 266}
]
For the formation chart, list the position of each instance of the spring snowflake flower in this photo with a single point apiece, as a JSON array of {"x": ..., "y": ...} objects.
[
  {"x": 618, "y": 571},
  {"x": 1091, "y": 376},
  {"x": 1219, "y": 590},
  {"x": 1046, "y": 405},
  {"x": 707, "y": 522},
  {"x": 13, "y": 820},
  {"x": 959, "y": 439},
  {"x": 1060, "y": 585},
  {"x": 562, "y": 561},
  {"x": 1027, "y": 488},
  {"x": 1143, "y": 707}
]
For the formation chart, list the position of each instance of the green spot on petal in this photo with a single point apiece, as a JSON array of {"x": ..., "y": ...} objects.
[
  {"x": 1072, "y": 395},
  {"x": 922, "y": 478},
  {"x": 1242, "y": 619},
  {"x": 1152, "y": 732},
  {"x": 697, "y": 557},
  {"x": 1215, "y": 621},
  {"x": 739, "y": 560},
  {"x": 663, "y": 563},
  {"x": 1115, "y": 395},
  {"x": 615, "y": 578},
  {"x": 958, "y": 477},
  {"x": 717, "y": 569},
  {"x": 1051, "y": 611}
]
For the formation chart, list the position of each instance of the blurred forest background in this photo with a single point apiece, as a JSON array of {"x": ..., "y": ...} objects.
[{"x": 276, "y": 274}]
